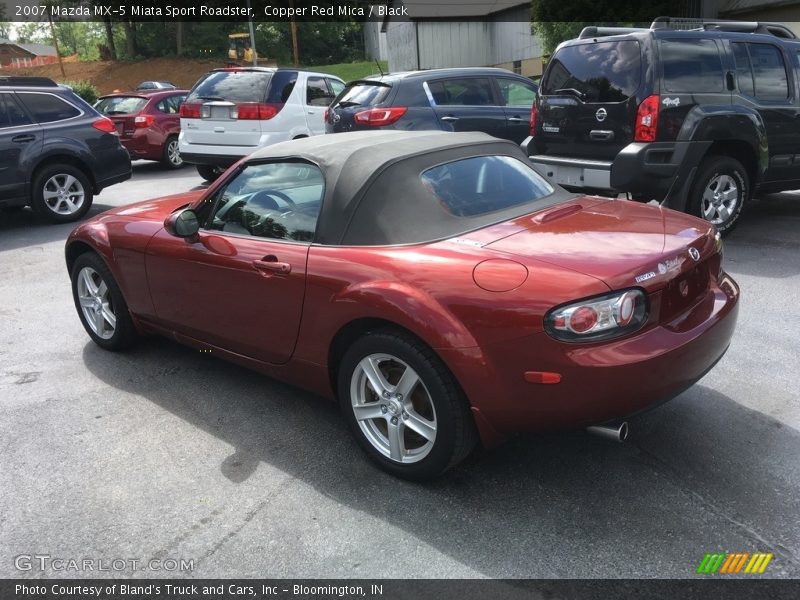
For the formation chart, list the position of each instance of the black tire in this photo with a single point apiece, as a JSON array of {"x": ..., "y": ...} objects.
[
  {"x": 723, "y": 175},
  {"x": 124, "y": 332},
  {"x": 58, "y": 187},
  {"x": 172, "y": 156},
  {"x": 455, "y": 434},
  {"x": 210, "y": 172}
]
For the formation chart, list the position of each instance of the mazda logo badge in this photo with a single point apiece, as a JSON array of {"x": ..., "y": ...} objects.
[
  {"x": 694, "y": 253},
  {"x": 601, "y": 115}
]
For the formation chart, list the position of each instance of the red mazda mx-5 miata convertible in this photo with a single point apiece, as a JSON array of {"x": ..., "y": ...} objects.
[{"x": 434, "y": 283}]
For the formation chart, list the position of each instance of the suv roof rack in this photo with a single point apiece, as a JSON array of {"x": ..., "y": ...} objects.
[
  {"x": 27, "y": 81},
  {"x": 775, "y": 29},
  {"x": 594, "y": 32}
]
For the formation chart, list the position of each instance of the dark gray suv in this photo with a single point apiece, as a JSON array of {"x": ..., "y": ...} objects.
[
  {"x": 494, "y": 101},
  {"x": 56, "y": 151}
]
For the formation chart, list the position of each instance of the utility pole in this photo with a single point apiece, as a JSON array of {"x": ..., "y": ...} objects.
[
  {"x": 252, "y": 34},
  {"x": 295, "y": 52}
]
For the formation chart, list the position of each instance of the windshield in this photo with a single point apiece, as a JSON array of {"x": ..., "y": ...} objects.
[{"x": 595, "y": 72}]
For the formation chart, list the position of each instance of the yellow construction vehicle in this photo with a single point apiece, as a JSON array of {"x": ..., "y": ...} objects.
[{"x": 240, "y": 49}]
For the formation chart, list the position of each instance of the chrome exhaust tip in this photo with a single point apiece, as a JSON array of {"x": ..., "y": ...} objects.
[{"x": 617, "y": 432}]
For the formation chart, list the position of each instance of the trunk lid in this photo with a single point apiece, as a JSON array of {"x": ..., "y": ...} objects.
[
  {"x": 587, "y": 102},
  {"x": 624, "y": 244}
]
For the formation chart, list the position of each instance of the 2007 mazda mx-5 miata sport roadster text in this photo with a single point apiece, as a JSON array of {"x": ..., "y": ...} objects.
[{"x": 434, "y": 283}]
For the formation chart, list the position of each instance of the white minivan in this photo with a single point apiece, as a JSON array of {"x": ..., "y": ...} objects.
[{"x": 233, "y": 112}]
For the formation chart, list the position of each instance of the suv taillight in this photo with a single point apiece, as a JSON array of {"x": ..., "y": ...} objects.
[
  {"x": 190, "y": 111},
  {"x": 646, "y": 120},
  {"x": 256, "y": 111},
  {"x": 534, "y": 118},
  {"x": 105, "y": 125},
  {"x": 378, "y": 117},
  {"x": 143, "y": 121}
]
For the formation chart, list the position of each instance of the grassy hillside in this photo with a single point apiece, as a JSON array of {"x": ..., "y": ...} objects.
[{"x": 351, "y": 71}]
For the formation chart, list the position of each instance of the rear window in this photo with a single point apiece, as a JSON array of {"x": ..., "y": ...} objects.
[
  {"x": 595, "y": 72},
  {"x": 691, "y": 66},
  {"x": 120, "y": 105},
  {"x": 363, "y": 94},
  {"x": 233, "y": 86},
  {"x": 484, "y": 184}
]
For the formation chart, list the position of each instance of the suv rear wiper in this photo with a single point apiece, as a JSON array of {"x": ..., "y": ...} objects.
[
  {"x": 577, "y": 93},
  {"x": 210, "y": 98},
  {"x": 347, "y": 103}
]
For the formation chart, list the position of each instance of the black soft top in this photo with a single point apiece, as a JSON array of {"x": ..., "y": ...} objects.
[{"x": 373, "y": 191}]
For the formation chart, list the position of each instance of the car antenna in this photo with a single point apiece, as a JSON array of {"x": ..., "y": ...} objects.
[{"x": 379, "y": 67}]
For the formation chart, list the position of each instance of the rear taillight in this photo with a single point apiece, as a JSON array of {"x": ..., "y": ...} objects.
[
  {"x": 255, "y": 111},
  {"x": 534, "y": 118},
  {"x": 190, "y": 111},
  {"x": 143, "y": 121},
  {"x": 325, "y": 115},
  {"x": 646, "y": 120},
  {"x": 105, "y": 125},
  {"x": 378, "y": 117},
  {"x": 597, "y": 318}
]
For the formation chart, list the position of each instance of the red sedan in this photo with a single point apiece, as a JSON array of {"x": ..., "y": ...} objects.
[
  {"x": 148, "y": 123},
  {"x": 433, "y": 283}
]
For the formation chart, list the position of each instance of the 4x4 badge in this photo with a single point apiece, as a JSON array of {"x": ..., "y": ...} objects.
[
  {"x": 601, "y": 115},
  {"x": 671, "y": 102}
]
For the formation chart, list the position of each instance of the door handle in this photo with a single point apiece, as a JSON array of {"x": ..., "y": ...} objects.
[
  {"x": 23, "y": 139},
  {"x": 449, "y": 119},
  {"x": 270, "y": 264},
  {"x": 517, "y": 119},
  {"x": 312, "y": 112}
]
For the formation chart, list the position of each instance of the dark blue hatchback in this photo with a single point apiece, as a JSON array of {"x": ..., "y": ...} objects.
[{"x": 494, "y": 101}]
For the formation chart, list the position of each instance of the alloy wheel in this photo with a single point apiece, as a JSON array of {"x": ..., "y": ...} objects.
[
  {"x": 393, "y": 408},
  {"x": 63, "y": 194},
  {"x": 720, "y": 199},
  {"x": 173, "y": 154},
  {"x": 96, "y": 304}
]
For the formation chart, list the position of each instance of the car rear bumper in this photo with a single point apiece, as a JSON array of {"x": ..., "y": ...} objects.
[
  {"x": 221, "y": 155},
  {"x": 112, "y": 167},
  {"x": 599, "y": 382},
  {"x": 656, "y": 171},
  {"x": 214, "y": 160}
]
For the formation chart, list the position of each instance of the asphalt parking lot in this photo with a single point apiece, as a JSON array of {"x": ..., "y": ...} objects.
[{"x": 165, "y": 453}]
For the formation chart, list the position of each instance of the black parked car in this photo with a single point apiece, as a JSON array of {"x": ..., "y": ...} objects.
[
  {"x": 696, "y": 119},
  {"x": 494, "y": 101},
  {"x": 57, "y": 151}
]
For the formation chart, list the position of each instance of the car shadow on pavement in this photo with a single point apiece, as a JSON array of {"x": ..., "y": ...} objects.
[
  {"x": 700, "y": 474},
  {"x": 23, "y": 228}
]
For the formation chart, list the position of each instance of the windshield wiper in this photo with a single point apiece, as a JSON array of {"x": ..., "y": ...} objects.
[
  {"x": 116, "y": 112},
  {"x": 209, "y": 97},
  {"x": 577, "y": 93},
  {"x": 348, "y": 103}
]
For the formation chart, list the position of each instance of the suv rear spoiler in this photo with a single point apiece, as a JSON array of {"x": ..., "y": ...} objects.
[{"x": 678, "y": 24}]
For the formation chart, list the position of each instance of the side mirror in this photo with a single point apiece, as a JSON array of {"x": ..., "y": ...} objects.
[{"x": 182, "y": 224}]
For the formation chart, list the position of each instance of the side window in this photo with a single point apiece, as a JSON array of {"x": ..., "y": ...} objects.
[
  {"x": 691, "y": 66},
  {"x": 47, "y": 108},
  {"x": 163, "y": 106},
  {"x": 769, "y": 72},
  {"x": 336, "y": 86},
  {"x": 516, "y": 93},
  {"x": 744, "y": 70},
  {"x": 317, "y": 92},
  {"x": 278, "y": 201},
  {"x": 467, "y": 91},
  {"x": 11, "y": 114}
]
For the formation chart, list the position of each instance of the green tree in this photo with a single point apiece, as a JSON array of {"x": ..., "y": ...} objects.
[
  {"x": 556, "y": 20},
  {"x": 5, "y": 28}
]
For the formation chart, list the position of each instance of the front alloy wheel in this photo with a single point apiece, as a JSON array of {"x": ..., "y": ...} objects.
[
  {"x": 404, "y": 406},
  {"x": 100, "y": 305}
]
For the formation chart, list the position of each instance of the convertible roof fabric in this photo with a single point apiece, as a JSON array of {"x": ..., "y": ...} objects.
[{"x": 373, "y": 191}]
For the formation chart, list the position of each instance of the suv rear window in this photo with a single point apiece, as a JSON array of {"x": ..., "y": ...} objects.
[
  {"x": 596, "y": 72},
  {"x": 363, "y": 93},
  {"x": 691, "y": 66},
  {"x": 476, "y": 186},
  {"x": 234, "y": 86},
  {"x": 120, "y": 105}
]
